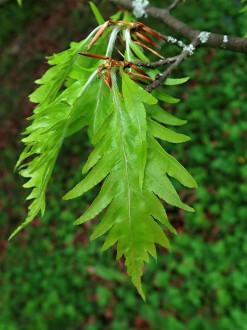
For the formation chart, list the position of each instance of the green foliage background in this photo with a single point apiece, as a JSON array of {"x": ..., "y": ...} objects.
[{"x": 52, "y": 277}]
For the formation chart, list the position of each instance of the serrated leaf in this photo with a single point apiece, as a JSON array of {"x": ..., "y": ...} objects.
[
  {"x": 128, "y": 161},
  {"x": 102, "y": 130},
  {"x": 50, "y": 124},
  {"x": 100, "y": 149},
  {"x": 157, "y": 210},
  {"x": 95, "y": 176},
  {"x": 133, "y": 101},
  {"x": 107, "y": 221},
  {"x": 102, "y": 200},
  {"x": 171, "y": 166},
  {"x": 159, "y": 183},
  {"x": 76, "y": 126}
]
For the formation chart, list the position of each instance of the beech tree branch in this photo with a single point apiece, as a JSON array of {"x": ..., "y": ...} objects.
[{"x": 220, "y": 41}]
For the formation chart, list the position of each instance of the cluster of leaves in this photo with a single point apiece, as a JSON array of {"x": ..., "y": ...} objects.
[
  {"x": 40, "y": 290},
  {"x": 123, "y": 123}
]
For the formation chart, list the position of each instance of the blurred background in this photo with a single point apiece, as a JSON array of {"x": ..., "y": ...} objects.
[{"x": 51, "y": 275}]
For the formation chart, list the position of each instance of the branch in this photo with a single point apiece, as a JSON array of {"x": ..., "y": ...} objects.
[
  {"x": 220, "y": 41},
  {"x": 154, "y": 65},
  {"x": 176, "y": 60},
  {"x": 161, "y": 77}
]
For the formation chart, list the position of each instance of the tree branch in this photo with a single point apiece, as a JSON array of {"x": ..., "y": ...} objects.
[
  {"x": 176, "y": 60},
  {"x": 220, "y": 41}
]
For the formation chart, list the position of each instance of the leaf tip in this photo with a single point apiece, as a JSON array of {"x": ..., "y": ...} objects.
[
  {"x": 16, "y": 231},
  {"x": 190, "y": 209},
  {"x": 99, "y": 18},
  {"x": 66, "y": 197},
  {"x": 140, "y": 291}
]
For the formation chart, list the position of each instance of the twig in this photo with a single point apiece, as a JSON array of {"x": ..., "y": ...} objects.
[
  {"x": 173, "y": 5},
  {"x": 158, "y": 63},
  {"x": 174, "y": 41},
  {"x": 161, "y": 77}
]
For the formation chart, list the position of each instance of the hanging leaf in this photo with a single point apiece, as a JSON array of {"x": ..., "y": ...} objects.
[{"x": 96, "y": 92}]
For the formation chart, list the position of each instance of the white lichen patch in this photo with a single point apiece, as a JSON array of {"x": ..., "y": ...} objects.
[
  {"x": 171, "y": 40},
  {"x": 139, "y": 8},
  {"x": 203, "y": 36},
  {"x": 181, "y": 44},
  {"x": 190, "y": 48},
  {"x": 225, "y": 39}
]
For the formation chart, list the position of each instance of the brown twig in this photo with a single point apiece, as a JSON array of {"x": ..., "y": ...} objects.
[
  {"x": 154, "y": 65},
  {"x": 161, "y": 77}
]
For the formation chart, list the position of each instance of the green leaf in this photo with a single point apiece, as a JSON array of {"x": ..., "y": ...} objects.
[
  {"x": 166, "y": 134},
  {"x": 100, "y": 149},
  {"x": 134, "y": 96},
  {"x": 157, "y": 210},
  {"x": 122, "y": 124},
  {"x": 164, "y": 97},
  {"x": 138, "y": 51},
  {"x": 117, "y": 15},
  {"x": 162, "y": 116},
  {"x": 95, "y": 176},
  {"x": 53, "y": 119},
  {"x": 175, "y": 81},
  {"x": 170, "y": 165},
  {"x": 159, "y": 183},
  {"x": 99, "y": 18},
  {"x": 104, "y": 198},
  {"x": 108, "y": 220}
]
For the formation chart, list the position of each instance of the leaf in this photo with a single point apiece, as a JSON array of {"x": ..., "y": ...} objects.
[
  {"x": 162, "y": 116},
  {"x": 133, "y": 98},
  {"x": 97, "y": 174},
  {"x": 166, "y": 134},
  {"x": 117, "y": 15},
  {"x": 157, "y": 210},
  {"x": 107, "y": 221},
  {"x": 159, "y": 183},
  {"x": 164, "y": 97},
  {"x": 100, "y": 20},
  {"x": 100, "y": 149},
  {"x": 175, "y": 81},
  {"x": 51, "y": 123},
  {"x": 171, "y": 166},
  {"x": 104, "y": 198},
  {"x": 138, "y": 51},
  {"x": 126, "y": 160},
  {"x": 76, "y": 126}
]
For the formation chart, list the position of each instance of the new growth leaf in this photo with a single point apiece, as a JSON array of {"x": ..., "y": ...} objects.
[{"x": 87, "y": 87}]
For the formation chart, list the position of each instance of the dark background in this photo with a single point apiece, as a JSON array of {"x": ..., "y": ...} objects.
[{"x": 51, "y": 276}]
